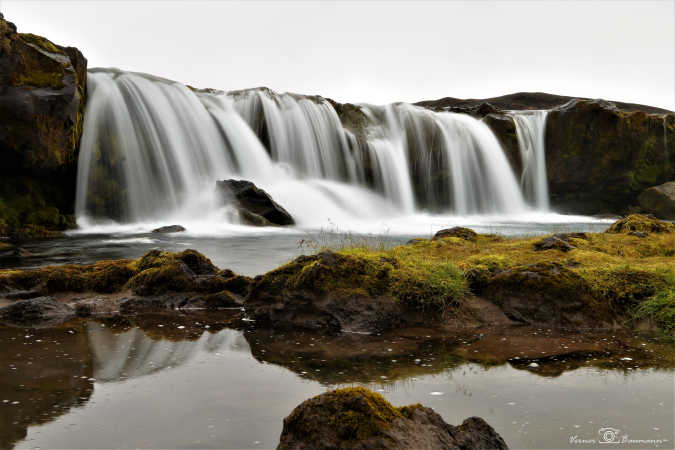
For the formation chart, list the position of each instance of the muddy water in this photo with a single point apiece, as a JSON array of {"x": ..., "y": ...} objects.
[{"x": 193, "y": 382}]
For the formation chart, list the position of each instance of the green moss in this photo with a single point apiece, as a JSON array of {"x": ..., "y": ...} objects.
[
  {"x": 660, "y": 308},
  {"x": 398, "y": 274},
  {"x": 638, "y": 222},
  {"x": 40, "y": 78},
  {"x": 39, "y": 41},
  {"x": 155, "y": 272},
  {"x": 355, "y": 413}
]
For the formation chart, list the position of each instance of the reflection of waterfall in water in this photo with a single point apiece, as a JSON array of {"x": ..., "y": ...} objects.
[
  {"x": 133, "y": 354},
  {"x": 531, "y": 130},
  {"x": 152, "y": 150}
]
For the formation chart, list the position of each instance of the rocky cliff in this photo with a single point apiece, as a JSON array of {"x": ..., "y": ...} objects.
[{"x": 42, "y": 99}]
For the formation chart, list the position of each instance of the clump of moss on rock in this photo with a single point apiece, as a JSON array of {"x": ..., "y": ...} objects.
[
  {"x": 354, "y": 289},
  {"x": 154, "y": 273},
  {"x": 639, "y": 222},
  {"x": 357, "y": 418}
]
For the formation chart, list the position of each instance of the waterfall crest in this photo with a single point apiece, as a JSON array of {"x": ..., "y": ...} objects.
[{"x": 152, "y": 150}]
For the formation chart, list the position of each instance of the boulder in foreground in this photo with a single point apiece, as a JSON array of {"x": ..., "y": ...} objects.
[
  {"x": 356, "y": 418},
  {"x": 255, "y": 206},
  {"x": 659, "y": 200}
]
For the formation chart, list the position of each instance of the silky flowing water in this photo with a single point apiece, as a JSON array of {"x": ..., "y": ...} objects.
[{"x": 192, "y": 382}]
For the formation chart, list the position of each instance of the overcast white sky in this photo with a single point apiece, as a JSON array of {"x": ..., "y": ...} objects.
[{"x": 378, "y": 51}]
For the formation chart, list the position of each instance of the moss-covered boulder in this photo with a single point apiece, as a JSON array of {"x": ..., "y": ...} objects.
[
  {"x": 42, "y": 99},
  {"x": 641, "y": 223},
  {"x": 357, "y": 418},
  {"x": 355, "y": 291}
]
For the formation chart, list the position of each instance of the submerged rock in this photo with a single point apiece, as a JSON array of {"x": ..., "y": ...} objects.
[
  {"x": 356, "y": 418},
  {"x": 659, "y": 200},
  {"x": 35, "y": 311},
  {"x": 255, "y": 206},
  {"x": 169, "y": 229}
]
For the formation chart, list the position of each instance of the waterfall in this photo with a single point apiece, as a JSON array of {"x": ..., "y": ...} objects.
[
  {"x": 152, "y": 150},
  {"x": 531, "y": 130}
]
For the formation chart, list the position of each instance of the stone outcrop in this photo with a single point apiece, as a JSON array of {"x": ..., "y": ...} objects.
[
  {"x": 659, "y": 200},
  {"x": 156, "y": 281},
  {"x": 601, "y": 157},
  {"x": 356, "y": 418},
  {"x": 42, "y": 99},
  {"x": 255, "y": 206}
]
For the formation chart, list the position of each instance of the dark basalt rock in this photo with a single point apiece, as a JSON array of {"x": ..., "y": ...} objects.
[
  {"x": 460, "y": 232},
  {"x": 42, "y": 99},
  {"x": 659, "y": 200},
  {"x": 169, "y": 229},
  {"x": 35, "y": 311},
  {"x": 356, "y": 418},
  {"x": 255, "y": 205}
]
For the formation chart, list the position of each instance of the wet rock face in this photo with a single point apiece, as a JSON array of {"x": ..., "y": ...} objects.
[
  {"x": 42, "y": 99},
  {"x": 601, "y": 157},
  {"x": 659, "y": 200},
  {"x": 356, "y": 418},
  {"x": 255, "y": 205}
]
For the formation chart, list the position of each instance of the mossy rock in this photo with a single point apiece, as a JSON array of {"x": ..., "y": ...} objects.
[
  {"x": 42, "y": 100},
  {"x": 154, "y": 273},
  {"x": 357, "y": 418},
  {"x": 639, "y": 222}
]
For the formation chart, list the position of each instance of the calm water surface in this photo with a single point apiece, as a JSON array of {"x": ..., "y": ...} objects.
[{"x": 192, "y": 382}]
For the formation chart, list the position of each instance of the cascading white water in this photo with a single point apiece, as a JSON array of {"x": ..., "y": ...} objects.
[
  {"x": 152, "y": 150},
  {"x": 531, "y": 131}
]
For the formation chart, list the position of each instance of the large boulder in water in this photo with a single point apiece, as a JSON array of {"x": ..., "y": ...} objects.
[
  {"x": 357, "y": 418},
  {"x": 255, "y": 206},
  {"x": 42, "y": 99},
  {"x": 659, "y": 200}
]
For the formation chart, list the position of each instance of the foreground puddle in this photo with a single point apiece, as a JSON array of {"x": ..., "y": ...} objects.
[{"x": 192, "y": 382}]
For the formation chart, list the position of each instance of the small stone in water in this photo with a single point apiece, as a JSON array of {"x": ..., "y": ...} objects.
[
  {"x": 626, "y": 359},
  {"x": 180, "y": 327},
  {"x": 435, "y": 393},
  {"x": 534, "y": 364}
]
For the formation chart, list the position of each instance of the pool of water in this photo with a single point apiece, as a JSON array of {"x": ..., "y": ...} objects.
[
  {"x": 253, "y": 251},
  {"x": 193, "y": 382}
]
